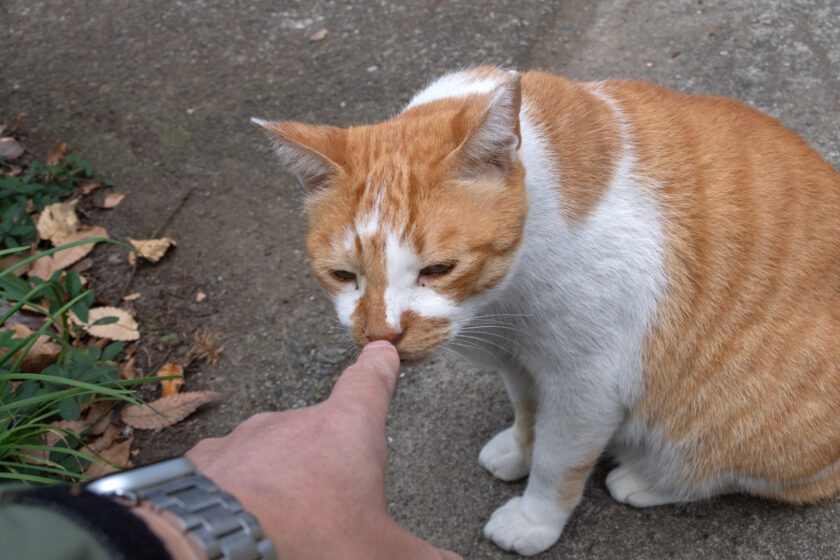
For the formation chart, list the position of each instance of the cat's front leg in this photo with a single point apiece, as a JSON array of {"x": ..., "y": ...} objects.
[
  {"x": 508, "y": 454},
  {"x": 574, "y": 423}
]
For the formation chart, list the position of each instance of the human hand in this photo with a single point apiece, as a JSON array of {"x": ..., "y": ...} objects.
[{"x": 315, "y": 477}]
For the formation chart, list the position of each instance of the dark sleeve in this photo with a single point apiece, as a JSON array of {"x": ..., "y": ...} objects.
[{"x": 68, "y": 523}]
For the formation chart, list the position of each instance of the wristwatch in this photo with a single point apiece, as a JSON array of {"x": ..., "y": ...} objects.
[{"x": 215, "y": 519}]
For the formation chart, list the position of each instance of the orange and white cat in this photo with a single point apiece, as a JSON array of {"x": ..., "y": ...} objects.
[{"x": 654, "y": 275}]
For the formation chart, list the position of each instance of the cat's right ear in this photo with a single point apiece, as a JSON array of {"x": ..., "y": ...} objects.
[{"x": 316, "y": 154}]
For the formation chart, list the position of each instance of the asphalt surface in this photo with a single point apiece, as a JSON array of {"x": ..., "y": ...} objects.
[{"x": 158, "y": 94}]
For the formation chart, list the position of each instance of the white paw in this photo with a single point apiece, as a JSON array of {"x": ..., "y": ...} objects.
[
  {"x": 628, "y": 487},
  {"x": 526, "y": 530},
  {"x": 503, "y": 457}
]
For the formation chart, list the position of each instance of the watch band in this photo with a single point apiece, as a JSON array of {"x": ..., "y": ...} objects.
[{"x": 216, "y": 519}]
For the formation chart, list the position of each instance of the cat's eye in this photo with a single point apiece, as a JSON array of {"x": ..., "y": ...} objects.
[
  {"x": 343, "y": 275},
  {"x": 437, "y": 270}
]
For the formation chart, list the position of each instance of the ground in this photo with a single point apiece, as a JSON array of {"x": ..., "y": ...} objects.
[{"x": 158, "y": 95}]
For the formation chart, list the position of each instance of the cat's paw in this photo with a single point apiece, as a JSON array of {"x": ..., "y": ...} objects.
[
  {"x": 524, "y": 527},
  {"x": 504, "y": 458},
  {"x": 628, "y": 487}
]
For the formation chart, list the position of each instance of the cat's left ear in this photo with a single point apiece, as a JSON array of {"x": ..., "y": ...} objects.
[
  {"x": 316, "y": 154},
  {"x": 493, "y": 130}
]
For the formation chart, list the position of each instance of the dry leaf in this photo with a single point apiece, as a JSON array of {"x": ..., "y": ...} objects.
[
  {"x": 127, "y": 368},
  {"x": 10, "y": 148},
  {"x": 112, "y": 431},
  {"x": 318, "y": 35},
  {"x": 56, "y": 435},
  {"x": 131, "y": 297},
  {"x": 124, "y": 329},
  {"x": 83, "y": 265},
  {"x": 204, "y": 347},
  {"x": 45, "y": 267},
  {"x": 171, "y": 386},
  {"x": 118, "y": 453},
  {"x": 174, "y": 409},
  {"x": 200, "y": 296},
  {"x": 88, "y": 188},
  {"x": 113, "y": 199},
  {"x": 9, "y": 261},
  {"x": 57, "y": 154},
  {"x": 43, "y": 353},
  {"x": 152, "y": 249},
  {"x": 58, "y": 221},
  {"x": 99, "y": 414}
]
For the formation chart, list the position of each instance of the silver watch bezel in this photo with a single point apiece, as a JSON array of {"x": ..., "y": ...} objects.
[{"x": 128, "y": 483}]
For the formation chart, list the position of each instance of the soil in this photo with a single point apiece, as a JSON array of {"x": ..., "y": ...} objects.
[{"x": 158, "y": 96}]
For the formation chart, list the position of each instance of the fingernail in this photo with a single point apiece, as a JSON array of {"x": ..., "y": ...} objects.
[{"x": 376, "y": 344}]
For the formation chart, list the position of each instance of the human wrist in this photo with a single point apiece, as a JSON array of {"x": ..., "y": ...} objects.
[{"x": 165, "y": 526}]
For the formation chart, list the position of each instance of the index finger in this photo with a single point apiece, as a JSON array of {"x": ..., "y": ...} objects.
[{"x": 369, "y": 383}]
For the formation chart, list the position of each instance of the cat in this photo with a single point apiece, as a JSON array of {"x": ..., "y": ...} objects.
[{"x": 656, "y": 276}]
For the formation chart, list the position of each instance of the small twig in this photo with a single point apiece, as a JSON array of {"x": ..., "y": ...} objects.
[{"x": 171, "y": 214}]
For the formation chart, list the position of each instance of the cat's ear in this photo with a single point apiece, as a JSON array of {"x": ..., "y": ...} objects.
[
  {"x": 315, "y": 154},
  {"x": 492, "y": 130}
]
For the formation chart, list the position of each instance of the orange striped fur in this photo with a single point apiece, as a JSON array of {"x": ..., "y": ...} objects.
[{"x": 655, "y": 275}]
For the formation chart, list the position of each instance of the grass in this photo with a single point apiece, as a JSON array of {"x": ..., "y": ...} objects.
[{"x": 82, "y": 373}]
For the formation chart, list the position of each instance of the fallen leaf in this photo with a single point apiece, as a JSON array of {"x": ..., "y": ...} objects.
[
  {"x": 16, "y": 122},
  {"x": 88, "y": 188},
  {"x": 55, "y": 435},
  {"x": 118, "y": 453},
  {"x": 41, "y": 354},
  {"x": 45, "y": 267},
  {"x": 171, "y": 386},
  {"x": 99, "y": 414},
  {"x": 33, "y": 321},
  {"x": 125, "y": 328},
  {"x": 112, "y": 431},
  {"x": 57, "y": 154},
  {"x": 83, "y": 265},
  {"x": 9, "y": 261},
  {"x": 131, "y": 297},
  {"x": 113, "y": 199},
  {"x": 174, "y": 409},
  {"x": 10, "y": 148},
  {"x": 127, "y": 368},
  {"x": 57, "y": 222},
  {"x": 318, "y": 35},
  {"x": 151, "y": 249},
  {"x": 204, "y": 347},
  {"x": 200, "y": 296}
]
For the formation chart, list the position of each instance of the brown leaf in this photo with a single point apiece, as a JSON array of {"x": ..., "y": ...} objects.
[
  {"x": 57, "y": 154},
  {"x": 100, "y": 414},
  {"x": 127, "y": 368},
  {"x": 10, "y": 148},
  {"x": 204, "y": 347},
  {"x": 58, "y": 221},
  {"x": 152, "y": 249},
  {"x": 119, "y": 453},
  {"x": 171, "y": 386},
  {"x": 16, "y": 122},
  {"x": 174, "y": 408},
  {"x": 88, "y": 188},
  {"x": 43, "y": 353},
  {"x": 45, "y": 267},
  {"x": 318, "y": 35},
  {"x": 112, "y": 431},
  {"x": 113, "y": 199},
  {"x": 131, "y": 297},
  {"x": 124, "y": 329},
  {"x": 9, "y": 261}
]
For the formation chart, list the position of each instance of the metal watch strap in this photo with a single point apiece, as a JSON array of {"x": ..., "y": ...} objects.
[{"x": 218, "y": 521}]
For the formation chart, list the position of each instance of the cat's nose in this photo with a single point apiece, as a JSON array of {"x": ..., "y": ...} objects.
[{"x": 391, "y": 336}]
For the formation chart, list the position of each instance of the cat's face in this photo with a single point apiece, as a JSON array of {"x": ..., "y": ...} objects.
[{"x": 412, "y": 221}]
